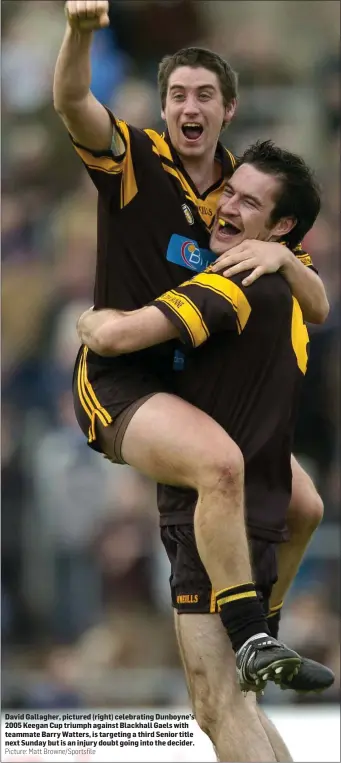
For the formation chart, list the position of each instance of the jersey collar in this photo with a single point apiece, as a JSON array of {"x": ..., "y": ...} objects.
[{"x": 221, "y": 155}]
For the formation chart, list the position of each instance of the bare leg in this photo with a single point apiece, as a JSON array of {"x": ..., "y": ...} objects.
[
  {"x": 173, "y": 442},
  {"x": 304, "y": 515},
  {"x": 236, "y": 726},
  {"x": 279, "y": 747}
]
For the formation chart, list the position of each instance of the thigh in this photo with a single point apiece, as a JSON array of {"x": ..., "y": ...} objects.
[{"x": 171, "y": 441}]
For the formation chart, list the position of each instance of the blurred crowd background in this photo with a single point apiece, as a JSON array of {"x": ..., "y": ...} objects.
[{"x": 86, "y": 616}]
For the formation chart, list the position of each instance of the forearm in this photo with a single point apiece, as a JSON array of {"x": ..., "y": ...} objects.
[
  {"x": 308, "y": 289},
  {"x": 72, "y": 76},
  {"x": 84, "y": 116},
  {"x": 111, "y": 332}
]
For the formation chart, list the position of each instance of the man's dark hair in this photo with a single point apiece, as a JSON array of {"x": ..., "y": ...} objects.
[
  {"x": 196, "y": 57},
  {"x": 299, "y": 193}
]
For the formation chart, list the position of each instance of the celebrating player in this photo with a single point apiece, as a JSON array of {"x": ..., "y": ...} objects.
[
  {"x": 247, "y": 376},
  {"x": 157, "y": 200}
]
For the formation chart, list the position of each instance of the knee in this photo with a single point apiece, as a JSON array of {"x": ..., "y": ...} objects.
[
  {"x": 307, "y": 513},
  {"x": 223, "y": 469},
  {"x": 316, "y": 510}
]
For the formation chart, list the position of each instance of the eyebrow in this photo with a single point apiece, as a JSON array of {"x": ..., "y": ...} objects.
[
  {"x": 199, "y": 87},
  {"x": 246, "y": 195}
]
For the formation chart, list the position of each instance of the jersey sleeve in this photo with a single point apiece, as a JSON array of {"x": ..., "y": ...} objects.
[
  {"x": 206, "y": 304},
  {"x": 304, "y": 257},
  {"x": 114, "y": 176}
]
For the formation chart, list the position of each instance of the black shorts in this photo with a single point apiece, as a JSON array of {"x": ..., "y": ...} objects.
[
  {"x": 111, "y": 392},
  {"x": 191, "y": 589}
]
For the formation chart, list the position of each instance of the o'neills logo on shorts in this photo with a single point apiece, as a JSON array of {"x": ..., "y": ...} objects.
[{"x": 187, "y": 598}]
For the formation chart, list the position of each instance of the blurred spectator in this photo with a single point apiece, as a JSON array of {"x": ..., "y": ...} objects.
[
  {"x": 58, "y": 685},
  {"x": 148, "y": 31}
]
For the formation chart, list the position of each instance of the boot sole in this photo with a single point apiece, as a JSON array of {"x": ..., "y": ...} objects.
[{"x": 276, "y": 671}]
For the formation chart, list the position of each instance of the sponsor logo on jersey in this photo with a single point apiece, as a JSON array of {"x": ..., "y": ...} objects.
[
  {"x": 186, "y": 253},
  {"x": 188, "y": 214},
  {"x": 187, "y": 598}
]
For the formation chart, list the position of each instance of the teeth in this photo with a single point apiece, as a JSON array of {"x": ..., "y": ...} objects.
[
  {"x": 221, "y": 222},
  {"x": 192, "y": 124},
  {"x": 278, "y": 670}
]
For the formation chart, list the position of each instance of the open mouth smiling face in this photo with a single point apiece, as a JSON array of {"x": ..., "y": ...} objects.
[
  {"x": 225, "y": 235},
  {"x": 192, "y": 131}
]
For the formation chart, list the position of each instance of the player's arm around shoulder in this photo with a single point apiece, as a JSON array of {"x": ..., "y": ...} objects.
[
  {"x": 87, "y": 120},
  {"x": 307, "y": 286},
  {"x": 264, "y": 257},
  {"x": 113, "y": 332}
]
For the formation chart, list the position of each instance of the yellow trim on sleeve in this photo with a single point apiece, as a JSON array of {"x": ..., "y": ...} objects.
[{"x": 189, "y": 314}]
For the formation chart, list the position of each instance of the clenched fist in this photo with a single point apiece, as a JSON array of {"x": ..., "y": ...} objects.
[{"x": 87, "y": 15}]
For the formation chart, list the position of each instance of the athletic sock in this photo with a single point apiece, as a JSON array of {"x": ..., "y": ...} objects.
[
  {"x": 241, "y": 614},
  {"x": 273, "y": 619}
]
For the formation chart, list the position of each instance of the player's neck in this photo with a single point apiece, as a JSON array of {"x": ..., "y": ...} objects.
[{"x": 203, "y": 171}]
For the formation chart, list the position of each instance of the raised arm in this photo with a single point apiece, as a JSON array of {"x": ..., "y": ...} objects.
[{"x": 84, "y": 116}]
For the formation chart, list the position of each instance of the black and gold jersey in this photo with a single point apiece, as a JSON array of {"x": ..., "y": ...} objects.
[
  {"x": 247, "y": 377},
  {"x": 153, "y": 225}
]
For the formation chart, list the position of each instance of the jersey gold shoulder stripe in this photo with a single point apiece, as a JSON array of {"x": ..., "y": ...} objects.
[
  {"x": 102, "y": 163},
  {"x": 108, "y": 164},
  {"x": 160, "y": 146},
  {"x": 228, "y": 290}
]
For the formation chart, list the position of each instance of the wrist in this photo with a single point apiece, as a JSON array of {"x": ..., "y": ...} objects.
[
  {"x": 287, "y": 258},
  {"x": 76, "y": 35}
]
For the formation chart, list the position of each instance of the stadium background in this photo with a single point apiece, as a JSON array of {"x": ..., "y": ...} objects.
[{"x": 86, "y": 618}]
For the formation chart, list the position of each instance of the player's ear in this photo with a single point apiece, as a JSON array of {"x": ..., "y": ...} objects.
[
  {"x": 229, "y": 111},
  {"x": 163, "y": 115},
  {"x": 284, "y": 226}
]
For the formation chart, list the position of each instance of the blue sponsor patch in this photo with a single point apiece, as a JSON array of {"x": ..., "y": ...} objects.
[{"x": 186, "y": 253}]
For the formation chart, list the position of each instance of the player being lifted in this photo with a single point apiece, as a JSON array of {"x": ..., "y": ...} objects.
[{"x": 157, "y": 199}]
